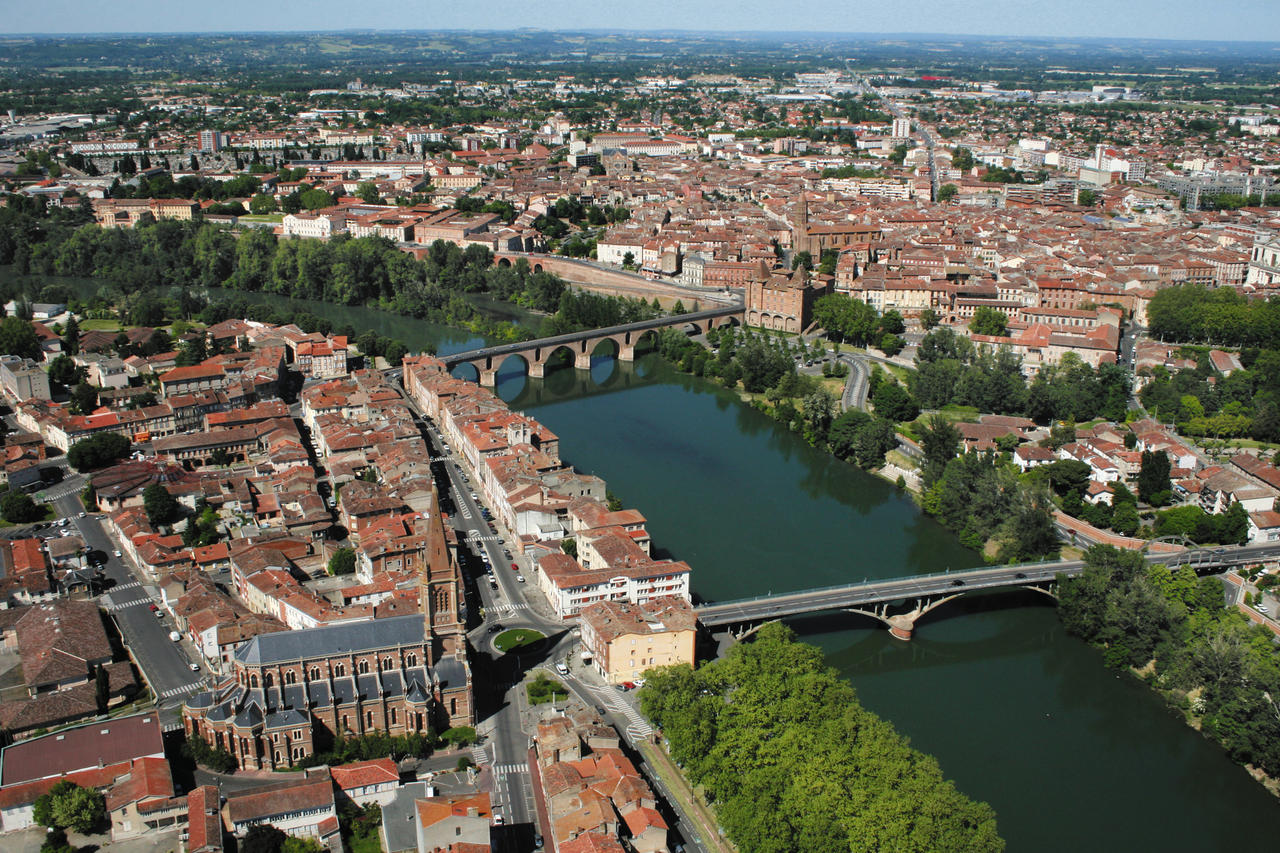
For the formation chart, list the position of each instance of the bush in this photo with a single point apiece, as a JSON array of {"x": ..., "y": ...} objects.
[{"x": 18, "y": 508}]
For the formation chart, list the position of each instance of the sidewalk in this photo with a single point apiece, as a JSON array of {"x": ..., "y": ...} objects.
[{"x": 683, "y": 796}]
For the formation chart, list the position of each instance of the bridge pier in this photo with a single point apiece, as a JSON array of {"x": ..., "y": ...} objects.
[
  {"x": 626, "y": 353},
  {"x": 582, "y": 360},
  {"x": 537, "y": 369},
  {"x": 901, "y": 627},
  {"x": 488, "y": 378}
]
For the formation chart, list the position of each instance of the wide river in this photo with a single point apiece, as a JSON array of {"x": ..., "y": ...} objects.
[{"x": 1072, "y": 755}]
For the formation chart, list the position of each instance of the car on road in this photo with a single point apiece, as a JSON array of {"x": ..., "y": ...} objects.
[
  {"x": 152, "y": 608},
  {"x": 174, "y": 636},
  {"x": 82, "y": 515},
  {"x": 116, "y": 552},
  {"x": 514, "y": 567},
  {"x": 495, "y": 627},
  {"x": 627, "y": 685},
  {"x": 520, "y": 578},
  {"x": 561, "y": 668},
  {"x": 194, "y": 667},
  {"x": 957, "y": 582}
]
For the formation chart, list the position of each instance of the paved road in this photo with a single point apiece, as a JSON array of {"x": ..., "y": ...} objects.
[
  {"x": 895, "y": 589},
  {"x": 164, "y": 664},
  {"x": 855, "y": 389}
]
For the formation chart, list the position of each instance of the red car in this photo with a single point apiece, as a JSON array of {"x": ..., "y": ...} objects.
[
  {"x": 514, "y": 567},
  {"x": 152, "y": 608},
  {"x": 628, "y": 685}
]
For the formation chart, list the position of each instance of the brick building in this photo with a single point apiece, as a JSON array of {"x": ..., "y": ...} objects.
[{"x": 291, "y": 693}]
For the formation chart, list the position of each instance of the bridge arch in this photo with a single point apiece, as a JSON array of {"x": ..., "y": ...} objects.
[
  {"x": 608, "y": 347},
  {"x": 468, "y": 371}
]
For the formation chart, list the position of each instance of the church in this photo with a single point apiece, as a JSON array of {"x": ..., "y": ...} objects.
[{"x": 291, "y": 694}]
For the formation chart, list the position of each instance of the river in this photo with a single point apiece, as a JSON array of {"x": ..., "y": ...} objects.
[{"x": 1072, "y": 755}]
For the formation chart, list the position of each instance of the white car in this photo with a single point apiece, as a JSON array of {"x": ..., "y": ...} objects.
[
  {"x": 116, "y": 553},
  {"x": 520, "y": 578}
]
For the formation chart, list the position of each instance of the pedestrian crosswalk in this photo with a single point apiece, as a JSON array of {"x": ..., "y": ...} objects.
[
  {"x": 66, "y": 487},
  {"x": 129, "y": 585},
  {"x": 117, "y": 606},
  {"x": 184, "y": 689},
  {"x": 508, "y": 607},
  {"x": 639, "y": 726},
  {"x": 479, "y": 756},
  {"x": 505, "y": 769}
]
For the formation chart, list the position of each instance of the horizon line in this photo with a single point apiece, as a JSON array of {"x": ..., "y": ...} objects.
[{"x": 772, "y": 35}]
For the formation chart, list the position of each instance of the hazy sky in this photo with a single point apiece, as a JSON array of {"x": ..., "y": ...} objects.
[{"x": 1250, "y": 20}]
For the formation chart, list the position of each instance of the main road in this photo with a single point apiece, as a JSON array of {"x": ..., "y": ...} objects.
[
  {"x": 129, "y": 601},
  {"x": 506, "y": 730}
]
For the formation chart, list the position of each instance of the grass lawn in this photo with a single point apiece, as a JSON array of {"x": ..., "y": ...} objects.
[
  {"x": 543, "y": 689},
  {"x": 48, "y": 515},
  {"x": 102, "y": 325},
  {"x": 517, "y": 638},
  {"x": 262, "y": 217},
  {"x": 365, "y": 843}
]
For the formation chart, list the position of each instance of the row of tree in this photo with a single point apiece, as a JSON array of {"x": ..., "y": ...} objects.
[
  {"x": 951, "y": 370},
  {"x": 1193, "y": 313},
  {"x": 790, "y": 760},
  {"x": 1211, "y": 662}
]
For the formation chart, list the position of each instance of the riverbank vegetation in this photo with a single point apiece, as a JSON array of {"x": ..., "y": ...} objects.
[
  {"x": 790, "y": 760},
  {"x": 765, "y": 367},
  {"x": 158, "y": 258},
  {"x": 1216, "y": 666}
]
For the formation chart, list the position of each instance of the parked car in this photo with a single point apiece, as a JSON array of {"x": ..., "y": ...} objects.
[{"x": 520, "y": 578}]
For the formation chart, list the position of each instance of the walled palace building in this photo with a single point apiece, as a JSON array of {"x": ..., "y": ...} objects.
[{"x": 291, "y": 693}]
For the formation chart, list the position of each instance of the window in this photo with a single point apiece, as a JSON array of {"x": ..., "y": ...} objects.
[
  {"x": 364, "y": 667},
  {"x": 315, "y": 673},
  {"x": 393, "y": 716},
  {"x": 290, "y": 677},
  {"x": 253, "y": 680},
  {"x": 340, "y": 670},
  {"x": 411, "y": 660},
  {"x": 368, "y": 719}
]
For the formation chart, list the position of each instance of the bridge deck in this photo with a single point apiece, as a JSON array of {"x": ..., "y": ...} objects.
[
  {"x": 875, "y": 592},
  {"x": 575, "y": 337}
]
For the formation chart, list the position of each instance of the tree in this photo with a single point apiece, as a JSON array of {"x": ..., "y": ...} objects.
[
  {"x": 929, "y": 318},
  {"x": 947, "y": 192},
  {"x": 262, "y": 203},
  {"x": 343, "y": 562},
  {"x": 84, "y": 398},
  {"x": 1153, "y": 478},
  {"x": 71, "y": 337},
  {"x": 367, "y": 191},
  {"x": 989, "y": 321},
  {"x": 891, "y": 344},
  {"x": 97, "y": 451},
  {"x": 18, "y": 337},
  {"x": 629, "y": 262},
  {"x": 18, "y": 508},
  {"x": 102, "y": 688},
  {"x": 894, "y": 402},
  {"x": 940, "y": 442},
  {"x": 962, "y": 159},
  {"x": 63, "y": 371},
  {"x": 161, "y": 507},
  {"x": 68, "y": 806},
  {"x": 263, "y": 838},
  {"x": 1086, "y": 198}
]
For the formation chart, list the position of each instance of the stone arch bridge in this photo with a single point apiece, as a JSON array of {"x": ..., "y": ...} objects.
[{"x": 582, "y": 345}]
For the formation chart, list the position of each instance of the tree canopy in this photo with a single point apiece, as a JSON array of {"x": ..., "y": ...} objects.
[{"x": 792, "y": 761}]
